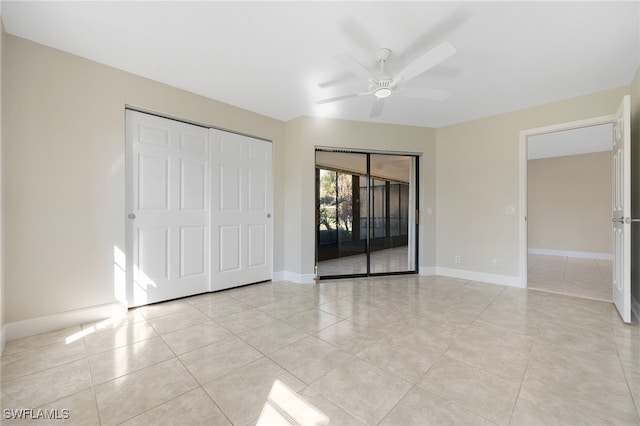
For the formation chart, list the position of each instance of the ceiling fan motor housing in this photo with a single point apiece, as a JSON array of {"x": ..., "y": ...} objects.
[{"x": 383, "y": 54}]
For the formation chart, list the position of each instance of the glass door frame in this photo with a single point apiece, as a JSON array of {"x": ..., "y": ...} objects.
[{"x": 415, "y": 241}]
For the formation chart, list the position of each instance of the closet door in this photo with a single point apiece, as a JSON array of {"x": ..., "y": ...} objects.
[
  {"x": 167, "y": 209},
  {"x": 241, "y": 206}
]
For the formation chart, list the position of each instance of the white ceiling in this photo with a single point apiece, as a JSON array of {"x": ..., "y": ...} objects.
[
  {"x": 273, "y": 57},
  {"x": 583, "y": 140}
]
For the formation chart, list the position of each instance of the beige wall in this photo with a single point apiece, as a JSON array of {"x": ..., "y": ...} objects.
[
  {"x": 478, "y": 176},
  {"x": 65, "y": 137},
  {"x": 569, "y": 203},
  {"x": 63, "y": 153},
  {"x": 304, "y": 134},
  {"x": 64, "y": 158}
]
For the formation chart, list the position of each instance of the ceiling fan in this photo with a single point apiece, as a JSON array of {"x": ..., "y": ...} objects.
[{"x": 384, "y": 85}]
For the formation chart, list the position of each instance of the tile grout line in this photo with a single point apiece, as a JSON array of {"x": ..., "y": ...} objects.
[
  {"x": 93, "y": 387},
  {"x": 199, "y": 385},
  {"x": 626, "y": 379},
  {"x": 524, "y": 377}
]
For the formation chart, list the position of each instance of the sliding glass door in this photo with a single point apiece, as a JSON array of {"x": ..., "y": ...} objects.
[{"x": 365, "y": 214}]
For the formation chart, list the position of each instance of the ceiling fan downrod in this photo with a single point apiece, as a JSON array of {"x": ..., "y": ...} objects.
[{"x": 382, "y": 87}]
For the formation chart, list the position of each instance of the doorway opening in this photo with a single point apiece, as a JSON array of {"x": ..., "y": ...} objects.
[
  {"x": 620, "y": 202},
  {"x": 569, "y": 189},
  {"x": 547, "y": 139},
  {"x": 365, "y": 213}
]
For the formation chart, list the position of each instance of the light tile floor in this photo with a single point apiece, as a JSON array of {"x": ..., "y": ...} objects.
[
  {"x": 581, "y": 277},
  {"x": 405, "y": 350}
]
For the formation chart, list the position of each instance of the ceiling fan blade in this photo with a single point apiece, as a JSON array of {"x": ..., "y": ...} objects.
[
  {"x": 341, "y": 98},
  {"x": 428, "y": 94},
  {"x": 438, "y": 31},
  {"x": 350, "y": 63},
  {"x": 342, "y": 78},
  {"x": 428, "y": 60},
  {"x": 444, "y": 72},
  {"x": 377, "y": 107}
]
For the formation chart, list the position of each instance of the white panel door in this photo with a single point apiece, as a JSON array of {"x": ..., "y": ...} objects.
[
  {"x": 167, "y": 207},
  {"x": 241, "y": 203},
  {"x": 622, "y": 210}
]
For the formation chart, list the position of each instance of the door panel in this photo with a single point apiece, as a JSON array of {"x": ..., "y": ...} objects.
[
  {"x": 192, "y": 251},
  {"x": 152, "y": 134},
  {"x": 229, "y": 248},
  {"x": 229, "y": 186},
  {"x": 153, "y": 189},
  {"x": 241, "y": 208},
  {"x": 392, "y": 246},
  {"x": 153, "y": 254},
  {"x": 193, "y": 185},
  {"x": 167, "y": 202},
  {"x": 622, "y": 210},
  {"x": 256, "y": 189},
  {"x": 257, "y": 245}
]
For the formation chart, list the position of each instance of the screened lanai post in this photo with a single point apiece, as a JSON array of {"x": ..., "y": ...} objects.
[{"x": 355, "y": 196}]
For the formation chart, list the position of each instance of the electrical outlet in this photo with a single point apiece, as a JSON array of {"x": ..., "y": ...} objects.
[
  {"x": 458, "y": 259},
  {"x": 496, "y": 262}
]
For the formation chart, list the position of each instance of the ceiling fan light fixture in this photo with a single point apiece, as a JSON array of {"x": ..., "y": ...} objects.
[
  {"x": 382, "y": 92},
  {"x": 381, "y": 88}
]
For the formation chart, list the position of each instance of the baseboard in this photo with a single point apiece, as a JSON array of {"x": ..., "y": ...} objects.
[
  {"x": 32, "y": 326},
  {"x": 427, "y": 270},
  {"x": 277, "y": 276},
  {"x": 423, "y": 270},
  {"x": 569, "y": 253},
  {"x": 483, "y": 277},
  {"x": 635, "y": 308},
  {"x": 293, "y": 277}
]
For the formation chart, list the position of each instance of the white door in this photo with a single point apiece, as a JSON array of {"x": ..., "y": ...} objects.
[
  {"x": 167, "y": 205},
  {"x": 622, "y": 210},
  {"x": 241, "y": 203}
]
